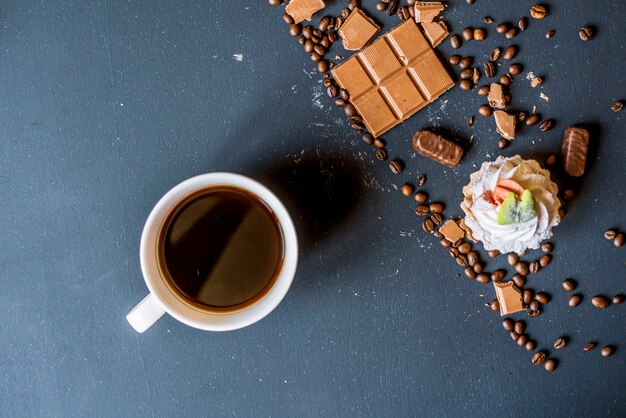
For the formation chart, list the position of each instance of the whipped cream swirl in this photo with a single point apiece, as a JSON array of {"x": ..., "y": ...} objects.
[{"x": 482, "y": 215}]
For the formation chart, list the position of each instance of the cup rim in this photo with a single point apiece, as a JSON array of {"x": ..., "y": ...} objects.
[{"x": 213, "y": 321}]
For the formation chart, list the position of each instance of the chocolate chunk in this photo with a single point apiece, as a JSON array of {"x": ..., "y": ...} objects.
[
  {"x": 509, "y": 296},
  {"x": 496, "y": 96},
  {"x": 452, "y": 231},
  {"x": 436, "y": 32},
  {"x": 505, "y": 124},
  {"x": 426, "y": 11},
  {"x": 574, "y": 151},
  {"x": 437, "y": 148},
  {"x": 303, "y": 9},
  {"x": 357, "y": 30}
]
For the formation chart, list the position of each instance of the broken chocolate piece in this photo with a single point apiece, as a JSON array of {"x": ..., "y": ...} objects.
[
  {"x": 496, "y": 96},
  {"x": 451, "y": 231},
  {"x": 303, "y": 9},
  {"x": 505, "y": 124},
  {"x": 574, "y": 151},
  {"x": 357, "y": 30},
  {"x": 393, "y": 78},
  {"x": 509, "y": 296},
  {"x": 436, "y": 32},
  {"x": 426, "y": 11},
  {"x": 437, "y": 148}
]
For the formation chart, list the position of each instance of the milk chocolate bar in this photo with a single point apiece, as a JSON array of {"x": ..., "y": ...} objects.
[
  {"x": 574, "y": 150},
  {"x": 437, "y": 148}
]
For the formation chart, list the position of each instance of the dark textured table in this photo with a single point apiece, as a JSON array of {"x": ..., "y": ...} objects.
[{"x": 105, "y": 105}]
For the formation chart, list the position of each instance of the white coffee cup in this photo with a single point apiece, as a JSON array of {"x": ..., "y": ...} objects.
[{"x": 162, "y": 300}]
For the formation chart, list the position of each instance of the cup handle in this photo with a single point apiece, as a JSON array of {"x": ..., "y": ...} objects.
[{"x": 145, "y": 314}]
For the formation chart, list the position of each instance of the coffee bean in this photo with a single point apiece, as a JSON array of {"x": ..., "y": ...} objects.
[
  {"x": 550, "y": 33},
  {"x": 288, "y": 19},
  {"x": 512, "y": 259},
  {"x": 538, "y": 11},
  {"x": 421, "y": 197},
  {"x": 498, "y": 275},
  {"x": 392, "y": 8},
  {"x": 531, "y": 345},
  {"x": 436, "y": 207},
  {"x": 511, "y": 33},
  {"x": 546, "y": 247},
  {"x": 536, "y": 81},
  {"x": 381, "y": 6},
  {"x": 522, "y": 23},
  {"x": 560, "y": 343},
  {"x": 508, "y": 324},
  {"x": 527, "y": 296},
  {"x": 307, "y": 32},
  {"x": 600, "y": 301},
  {"x": 522, "y": 268},
  {"x": 478, "y": 268},
  {"x": 490, "y": 69},
  {"x": 428, "y": 226},
  {"x": 445, "y": 243},
  {"x": 395, "y": 166},
  {"x": 574, "y": 300},
  {"x": 466, "y": 85},
  {"x": 533, "y": 267},
  {"x": 331, "y": 91},
  {"x": 472, "y": 258},
  {"x": 275, "y": 2},
  {"x": 585, "y": 33},
  {"x": 479, "y": 34},
  {"x": 502, "y": 28},
  {"x": 589, "y": 346},
  {"x": 461, "y": 260},
  {"x": 519, "y": 327},
  {"x": 617, "y": 106},
  {"x": 295, "y": 29},
  {"x": 381, "y": 154},
  {"x": 569, "y": 285},
  {"x": 455, "y": 41},
  {"x": 358, "y": 127},
  {"x": 469, "y": 272},
  {"x": 493, "y": 253},
  {"x": 495, "y": 54},
  {"x": 522, "y": 340},
  {"x": 483, "y": 91},
  {"x": 422, "y": 210},
  {"x": 505, "y": 80},
  {"x": 534, "y": 305},
  {"x": 421, "y": 180},
  {"x": 483, "y": 278},
  {"x": 607, "y": 351},
  {"x": 323, "y": 66},
  {"x": 542, "y": 297},
  {"x": 454, "y": 59},
  {"x": 539, "y": 358},
  {"x": 519, "y": 280},
  {"x": 345, "y": 12},
  {"x": 324, "y": 23},
  {"x": 545, "y": 260},
  {"x": 514, "y": 335},
  {"x": 618, "y": 299},
  {"x": 546, "y": 125},
  {"x": 466, "y": 74},
  {"x": 301, "y": 39},
  {"x": 533, "y": 119},
  {"x": 516, "y": 69},
  {"x": 550, "y": 365},
  {"x": 551, "y": 160},
  {"x": 619, "y": 240},
  {"x": 466, "y": 63},
  {"x": 485, "y": 110},
  {"x": 332, "y": 37},
  {"x": 510, "y": 52},
  {"x": 467, "y": 34},
  {"x": 406, "y": 189},
  {"x": 350, "y": 110},
  {"x": 488, "y": 20},
  {"x": 503, "y": 143},
  {"x": 494, "y": 305},
  {"x": 465, "y": 248},
  {"x": 610, "y": 234}
]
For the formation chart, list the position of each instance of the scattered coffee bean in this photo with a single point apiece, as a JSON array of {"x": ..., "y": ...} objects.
[
  {"x": 533, "y": 314},
  {"x": 485, "y": 110},
  {"x": 534, "y": 305},
  {"x": 550, "y": 33},
  {"x": 403, "y": 13},
  {"x": 522, "y": 340},
  {"x": 332, "y": 36},
  {"x": 422, "y": 210},
  {"x": 560, "y": 343},
  {"x": 502, "y": 28},
  {"x": 619, "y": 240},
  {"x": 508, "y": 324},
  {"x": 610, "y": 234},
  {"x": 349, "y": 110},
  {"x": 550, "y": 365},
  {"x": 470, "y": 2},
  {"x": 511, "y": 33},
  {"x": 478, "y": 268},
  {"x": 505, "y": 80},
  {"x": 461, "y": 260},
  {"x": 512, "y": 259},
  {"x": 519, "y": 280},
  {"x": 467, "y": 34},
  {"x": 531, "y": 345},
  {"x": 340, "y": 102},
  {"x": 545, "y": 260},
  {"x": 516, "y": 69},
  {"x": 488, "y": 20},
  {"x": 323, "y": 66},
  {"x": 466, "y": 74},
  {"x": 574, "y": 300},
  {"x": 551, "y": 160},
  {"x": 546, "y": 247},
  {"x": 455, "y": 41},
  {"x": 421, "y": 180},
  {"x": 569, "y": 285},
  {"x": 428, "y": 226},
  {"x": 514, "y": 335},
  {"x": 607, "y": 351},
  {"x": 490, "y": 69},
  {"x": 585, "y": 33},
  {"x": 436, "y": 218},
  {"x": 332, "y": 91},
  {"x": 368, "y": 139},
  {"x": 519, "y": 327},
  {"x": 473, "y": 258},
  {"x": 466, "y": 85},
  {"x": 325, "y": 22},
  {"x": 395, "y": 166},
  {"x": 542, "y": 297},
  {"x": 533, "y": 119},
  {"x": 539, "y": 358},
  {"x": 421, "y": 197},
  {"x": 503, "y": 143},
  {"x": 381, "y": 154},
  {"x": 589, "y": 346},
  {"x": 479, "y": 34},
  {"x": 483, "y": 278},
  {"x": 493, "y": 253},
  {"x": 522, "y": 268},
  {"x": 483, "y": 91},
  {"x": 288, "y": 19},
  {"x": 470, "y": 121},
  {"x": 494, "y": 305},
  {"x": 445, "y": 243},
  {"x": 600, "y": 301},
  {"x": 381, "y": 6},
  {"x": 527, "y": 296},
  {"x": 546, "y": 125},
  {"x": 454, "y": 59},
  {"x": 275, "y": 2},
  {"x": 465, "y": 248},
  {"x": 407, "y": 189},
  {"x": 617, "y": 106},
  {"x": 295, "y": 29},
  {"x": 498, "y": 275},
  {"x": 618, "y": 299},
  {"x": 436, "y": 207},
  {"x": 379, "y": 143},
  {"x": 538, "y": 11},
  {"x": 510, "y": 52},
  {"x": 522, "y": 23},
  {"x": 495, "y": 54},
  {"x": 470, "y": 273},
  {"x": 533, "y": 267},
  {"x": 466, "y": 63}
]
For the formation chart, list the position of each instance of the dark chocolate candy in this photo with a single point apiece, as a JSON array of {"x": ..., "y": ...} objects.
[
  {"x": 574, "y": 151},
  {"x": 437, "y": 148}
]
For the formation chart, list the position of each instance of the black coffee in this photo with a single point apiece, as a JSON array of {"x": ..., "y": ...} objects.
[{"x": 221, "y": 248}]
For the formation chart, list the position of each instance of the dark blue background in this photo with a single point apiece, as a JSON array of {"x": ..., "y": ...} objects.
[{"x": 105, "y": 105}]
